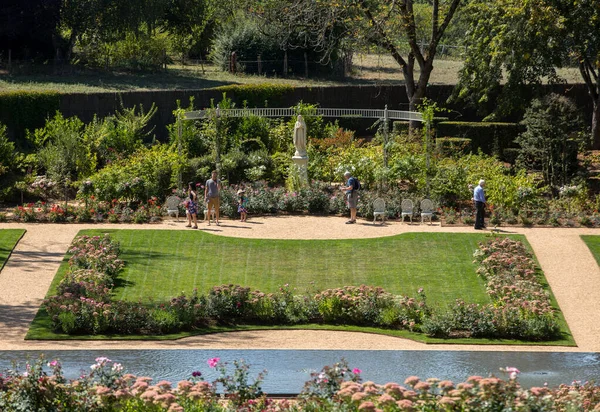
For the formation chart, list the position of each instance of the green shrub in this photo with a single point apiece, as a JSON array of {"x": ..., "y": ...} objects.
[
  {"x": 491, "y": 138},
  {"x": 438, "y": 326},
  {"x": 316, "y": 200},
  {"x": 163, "y": 321},
  {"x": 67, "y": 322},
  {"x": 136, "y": 51},
  {"x": 148, "y": 172},
  {"x": 453, "y": 146},
  {"x": 257, "y": 95},
  {"x": 83, "y": 215},
  {"x": 244, "y": 37}
]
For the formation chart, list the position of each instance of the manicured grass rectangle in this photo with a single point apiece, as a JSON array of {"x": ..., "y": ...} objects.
[
  {"x": 161, "y": 264},
  {"x": 8, "y": 240}
]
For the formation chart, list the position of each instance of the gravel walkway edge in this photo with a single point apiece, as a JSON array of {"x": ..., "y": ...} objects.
[{"x": 569, "y": 266}]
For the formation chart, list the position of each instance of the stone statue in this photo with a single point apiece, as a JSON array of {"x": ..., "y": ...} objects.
[{"x": 300, "y": 137}]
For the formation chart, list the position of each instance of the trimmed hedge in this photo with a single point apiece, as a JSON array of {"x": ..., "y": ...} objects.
[
  {"x": 255, "y": 95},
  {"x": 453, "y": 146},
  {"x": 22, "y": 110},
  {"x": 491, "y": 138}
]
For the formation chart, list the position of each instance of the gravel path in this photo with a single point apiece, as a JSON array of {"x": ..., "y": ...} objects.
[{"x": 569, "y": 266}]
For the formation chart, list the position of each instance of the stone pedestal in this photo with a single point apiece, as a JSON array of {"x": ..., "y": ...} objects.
[{"x": 301, "y": 165}]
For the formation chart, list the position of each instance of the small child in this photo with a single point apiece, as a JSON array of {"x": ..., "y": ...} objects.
[{"x": 242, "y": 205}]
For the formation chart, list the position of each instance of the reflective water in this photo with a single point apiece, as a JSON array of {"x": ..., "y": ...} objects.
[{"x": 289, "y": 369}]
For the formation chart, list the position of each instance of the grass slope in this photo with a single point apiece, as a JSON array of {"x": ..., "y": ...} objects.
[
  {"x": 8, "y": 240},
  {"x": 161, "y": 264}
]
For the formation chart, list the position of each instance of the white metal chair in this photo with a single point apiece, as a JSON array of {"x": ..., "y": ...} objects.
[
  {"x": 407, "y": 209},
  {"x": 208, "y": 216},
  {"x": 379, "y": 210},
  {"x": 172, "y": 205},
  {"x": 426, "y": 210}
]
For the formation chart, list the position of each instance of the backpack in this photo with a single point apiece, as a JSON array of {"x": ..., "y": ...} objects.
[{"x": 356, "y": 184}]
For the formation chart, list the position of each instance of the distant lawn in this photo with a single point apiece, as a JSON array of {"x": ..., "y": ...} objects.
[
  {"x": 8, "y": 240},
  {"x": 367, "y": 69},
  {"x": 161, "y": 264}
]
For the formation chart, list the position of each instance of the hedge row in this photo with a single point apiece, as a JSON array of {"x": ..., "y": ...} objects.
[
  {"x": 491, "y": 138},
  {"x": 24, "y": 110},
  {"x": 256, "y": 95}
]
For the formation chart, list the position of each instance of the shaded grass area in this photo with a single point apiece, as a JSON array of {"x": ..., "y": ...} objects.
[
  {"x": 367, "y": 69},
  {"x": 162, "y": 264},
  {"x": 176, "y": 77},
  {"x": 593, "y": 243},
  {"x": 8, "y": 240}
]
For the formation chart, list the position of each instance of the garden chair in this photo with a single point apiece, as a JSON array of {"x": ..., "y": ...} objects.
[
  {"x": 379, "y": 210},
  {"x": 426, "y": 210},
  {"x": 208, "y": 216},
  {"x": 407, "y": 209},
  {"x": 172, "y": 205}
]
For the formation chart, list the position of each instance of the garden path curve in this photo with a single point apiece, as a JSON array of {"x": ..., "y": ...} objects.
[{"x": 568, "y": 264}]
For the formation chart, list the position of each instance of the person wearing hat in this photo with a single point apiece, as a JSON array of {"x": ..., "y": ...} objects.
[{"x": 242, "y": 205}]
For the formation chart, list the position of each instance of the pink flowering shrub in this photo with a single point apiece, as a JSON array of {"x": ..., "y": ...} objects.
[
  {"x": 367, "y": 305},
  {"x": 107, "y": 387},
  {"x": 96, "y": 252},
  {"x": 326, "y": 383},
  {"x": 521, "y": 308}
]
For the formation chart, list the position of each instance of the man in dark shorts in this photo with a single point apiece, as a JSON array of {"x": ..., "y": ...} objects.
[
  {"x": 211, "y": 195},
  {"x": 351, "y": 196}
]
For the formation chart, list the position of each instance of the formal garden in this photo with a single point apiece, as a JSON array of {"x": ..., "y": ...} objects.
[
  {"x": 113, "y": 170},
  {"x": 501, "y": 105},
  {"x": 137, "y": 284}
]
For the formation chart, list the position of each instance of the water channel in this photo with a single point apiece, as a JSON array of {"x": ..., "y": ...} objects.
[{"x": 289, "y": 369}]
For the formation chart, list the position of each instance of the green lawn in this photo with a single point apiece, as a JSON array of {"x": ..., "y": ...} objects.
[
  {"x": 8, "y": 240},
  {"x": 161, "y": 264},
  {"x": 593, "y": 243}
]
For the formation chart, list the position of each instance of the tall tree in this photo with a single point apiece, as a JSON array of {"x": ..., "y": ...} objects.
[
  {"x": 522, "y": 42},
  {"x": 391, "y": 25}
]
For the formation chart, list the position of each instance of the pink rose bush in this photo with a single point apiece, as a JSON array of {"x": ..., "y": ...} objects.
[
  {"x": 108, "y": 387},
  {"x": 521, "y": 308}
]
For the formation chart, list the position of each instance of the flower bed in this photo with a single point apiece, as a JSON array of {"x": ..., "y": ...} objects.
[
  {"x": 319, "y": 198},
  {"x": 43, "y": 387},
  {"x": 90, "y": 212},
  {"x": 521, "y": 308}
]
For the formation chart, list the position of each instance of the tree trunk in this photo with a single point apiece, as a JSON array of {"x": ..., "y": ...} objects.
[
  {"x": 72, "y": 40},
  {"x": 416, "y": 94},
  {"x": 596, "y": 125}
]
